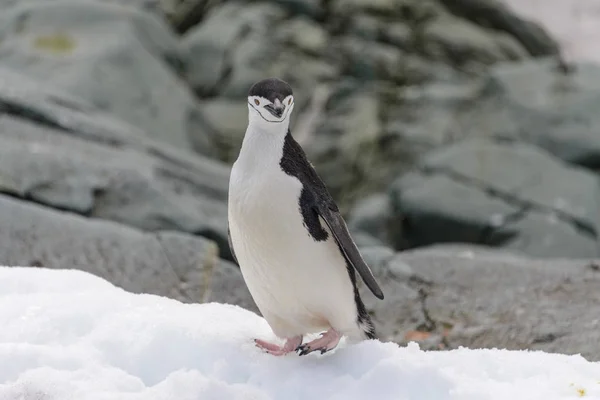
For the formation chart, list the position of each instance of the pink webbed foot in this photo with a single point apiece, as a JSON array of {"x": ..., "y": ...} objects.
[
  {"x": 291, "y": 344},
  {"x": 328, "y": 341}
]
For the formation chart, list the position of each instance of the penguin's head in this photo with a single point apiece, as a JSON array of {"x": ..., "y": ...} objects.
[{"x": 270, "y": 101}]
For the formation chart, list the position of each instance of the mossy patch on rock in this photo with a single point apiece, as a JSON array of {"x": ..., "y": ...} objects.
[{"x": 58, "y": 43}]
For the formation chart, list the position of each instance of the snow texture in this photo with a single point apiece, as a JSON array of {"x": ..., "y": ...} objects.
[{"x": 66, "y": 334}]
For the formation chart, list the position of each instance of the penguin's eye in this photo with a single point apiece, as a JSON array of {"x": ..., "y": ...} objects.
[
  {"x": 290, "y": 101},
  {"x": 257, "y": 102}
]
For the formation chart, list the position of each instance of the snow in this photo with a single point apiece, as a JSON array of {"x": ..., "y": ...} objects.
[{"x": 65, "y": 334}]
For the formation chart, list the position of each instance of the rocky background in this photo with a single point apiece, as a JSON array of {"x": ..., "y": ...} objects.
[{"x": 461, "y": 146}]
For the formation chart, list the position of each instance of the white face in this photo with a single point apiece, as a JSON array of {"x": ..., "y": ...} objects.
[{"x": 262, "y": 110}]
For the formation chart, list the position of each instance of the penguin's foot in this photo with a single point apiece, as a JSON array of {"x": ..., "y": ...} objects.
[
  {"x": 328, "y": 341},
  {"x": 291, "y": 344}
]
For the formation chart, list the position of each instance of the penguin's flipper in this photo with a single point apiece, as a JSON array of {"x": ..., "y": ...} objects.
[
  {"x": 337, "y": 225},
  {"x": 315, "y": 201}
]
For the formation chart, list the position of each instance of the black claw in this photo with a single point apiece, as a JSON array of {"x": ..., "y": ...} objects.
[
  {"x": 304, "y": 350},
  {"x": 323, "y": 351}
]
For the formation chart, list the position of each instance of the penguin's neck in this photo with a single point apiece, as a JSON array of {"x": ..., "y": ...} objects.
[{"x": 262, "y": 148}]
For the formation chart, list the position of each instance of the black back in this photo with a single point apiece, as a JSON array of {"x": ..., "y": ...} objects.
[{"x": 271, "y": 89}]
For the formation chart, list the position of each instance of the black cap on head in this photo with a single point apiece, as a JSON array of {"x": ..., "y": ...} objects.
[{"x": 271, "y": 89}]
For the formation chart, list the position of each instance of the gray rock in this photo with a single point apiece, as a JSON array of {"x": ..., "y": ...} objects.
[
  {"x": 482, "y": 192},
  {"x": 376, "y": 7},
  {"x": 373, "y": 215},
  {"x": 37, "y": 101},
  {"x": 525, "y": 102},
  {"x": 247, "y": 59},
  {"x": 446, "y": 297},
  {"x": 531, "y": 176},
  {"x": 532, "y": 102},
  {"x": 119, "y": 59},
  {"x": 377, "y": 258},
  {"x": 544, "y": 235},
  {"x": 424, "y": 117},
  {"x": 210, "y": 46},
  {"x": 165, "y": 263},
  {"x": 258, "y": 56},
  {"x": 312, "y": 8},
  {"x": 458, "y": 41},
  {"x": 305, "y": 35},
  {"x": 436, "y": 208},
  {"x": 366, "y": 27},
  {"x": 363, "y": 239},
  {"x": 155, "y": 6},
  {"x": 344, "y": 149},
  {"x": 146, "y": 188},
  {"x": 239, "y": 44},
  {"x": 224, "y": 119},
  {"x": 469, "y": 37},
  {"x": 498, "y": 16},
  {"x": 224, "y": 122},
  {"x": 367, "y": 60}
]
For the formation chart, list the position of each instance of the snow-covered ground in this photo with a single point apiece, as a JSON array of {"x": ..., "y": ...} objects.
[
  {"x": 574, "y": 23},
  {"x": 69, "y": 335}
]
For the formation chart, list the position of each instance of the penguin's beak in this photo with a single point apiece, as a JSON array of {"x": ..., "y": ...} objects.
[{"x": 276, "y": 109}]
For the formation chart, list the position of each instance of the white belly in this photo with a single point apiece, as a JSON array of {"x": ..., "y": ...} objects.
[{"x": 300, "y": 286}]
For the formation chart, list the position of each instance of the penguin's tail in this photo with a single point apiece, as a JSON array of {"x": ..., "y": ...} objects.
[{"x": 364, "y": 321}]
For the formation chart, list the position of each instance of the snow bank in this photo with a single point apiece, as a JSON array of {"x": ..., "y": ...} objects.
[{"x": 69, "y": 335}]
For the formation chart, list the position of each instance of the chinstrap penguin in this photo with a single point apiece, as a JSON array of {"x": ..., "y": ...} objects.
[{"x": 288, "y": 237}]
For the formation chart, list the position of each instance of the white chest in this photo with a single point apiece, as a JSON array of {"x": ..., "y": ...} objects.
[
  {"x": 298, "y": 283},
  {"x": 264, "y": 215}
]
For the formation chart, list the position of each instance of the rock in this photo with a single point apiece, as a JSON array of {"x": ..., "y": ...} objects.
[
  {"x": 210, "y": 46},
  {"x": 467, "y": 39},
  {"x": 373, "y": 215},
  {"x": 184, "y": 15},
  {"x": 457, "y": 41},
  {"x": 24, "y": 97},
  {"x": 517, "y": 170},
  {"x": 377, "y": 7},
  {"x": 363, "y": 239},
  {"x": 422, "y": 118},
  {"x": 119, "y": 59},
  {"x": 369, "y": 61},
  {"x": 543, "y": 107},
  {"x": 496, "y": 15},
  {"x": 377, "y": 258},
  {"x": 544, "y": 235},
  {"x": 256, "y": 55},
  {"x": 256, "y": 58},
  {"x": 436, "y": 208},
  {"x": 525, "y": 102},
  {"x": 146, "y": 188},
  {"x": 344, "y": 148},
  {"x": 305, "y": 35},
  {"x": 483, "y": 192},
  {"x": 165, "y": 263},
  {"x": 233, "y": 38},
  {"x": 452, "y": 296},
  {"x": 240, "y": 44},
  {"x": 224, "y": 123},
  {"x": 220, "y": 282},
  {"x": 311, "y": 8},
  {"x": 366, "y": 27},
  {"x": 155, "y": 6}
]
